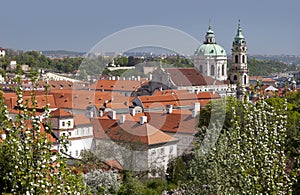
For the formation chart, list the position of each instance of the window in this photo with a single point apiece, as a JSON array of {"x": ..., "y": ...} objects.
[
  {"x": 212, "y": 70},
  {"x": 223, "y": 69},
  {"x": 70, "y": 134},
  {"x": 76, "y": 153},
  {"x": 245, "y": 79},
  {"x": 69, "y": 123},
  {"x": 70, "y": 153},
  {"x": 162, "y": 150},
  {"x": 236, "y": 59},
  {"x": 235, "y": 77},
  {"x": 171, "y": 149},
  {"x": 153, "y": 152},
  {"x": 243, "y": 58},
  {"x": 63, "y": 123}
]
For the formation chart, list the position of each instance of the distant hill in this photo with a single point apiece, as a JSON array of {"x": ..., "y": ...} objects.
[{"x": 62, "y": 53}]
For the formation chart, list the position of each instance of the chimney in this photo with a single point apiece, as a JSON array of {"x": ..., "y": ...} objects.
[
  {"x": 112, "y": 114},
  {"x": 122, "y": 118},
  {"x": 138, "y": 78},
  {"x": 118, "y": 78},
  {"x": 197, "y": 107},
  {"x": 113, "y": 78},
  {"x": 169, "y": 109},
  {"x": 109, "y": 78},
  {"x": 150, "y": 77},
  {"x": 194, "y": 113},
  {"x": 133, "y": 111},
  {"x": 100, "y": 113},
  {"x": 143, "y": 119},
  {"x": 91, "y": 114}
]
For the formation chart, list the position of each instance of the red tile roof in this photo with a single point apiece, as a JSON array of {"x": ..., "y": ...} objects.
[
  {"x": 80, "y": 99},
  {"x": 114, "y": 164},
  {"x": 177, "y": 99},
  {"x": 190, "y": 77},
  {"x": 81, "y": 119},
  {"x": 179, "y": 121},
  {"x": 55, "y": 85},
  {"x": 130, "y": 131},
  {"x": 116, "y": 85},
  {"x": 60, "y": 113},
  {"x": 42, "y": 100}
]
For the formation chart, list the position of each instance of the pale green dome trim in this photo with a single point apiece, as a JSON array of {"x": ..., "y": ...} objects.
[{"x": 210, "y": 50}]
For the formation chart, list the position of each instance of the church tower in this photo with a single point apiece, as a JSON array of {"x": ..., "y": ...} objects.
[
  {"x": 210, "y": 58},
  {"x": 239, "y": 73}
]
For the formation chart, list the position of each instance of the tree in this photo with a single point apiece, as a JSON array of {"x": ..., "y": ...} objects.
[
  {"x": 102, "y": 182},
  {"x": 249, "y": 158},
  {"x": 32, "y": 168}
]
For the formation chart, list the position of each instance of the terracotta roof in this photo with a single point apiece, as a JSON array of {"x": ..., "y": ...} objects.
[
  {"x": 190, "y": 77},
  {"x": 180, "y": 99},
  {"x": 42, "y": 100},
  {"x": 270, "y": 80},
  {"x": 54, "y": 85},
  {"x": 115, "y": 85},
  {"x": 60, "y": 113},
  {"x": 81, "y": 119},
  {"x": 180, "y": 121},
  {"x": 80, "y": 99},
  {"x": 115, "y": 164},
  {"x": 255, "y": 78},
  {"x": 169, "y": 91},
  {"x": 130, "y": 131}
]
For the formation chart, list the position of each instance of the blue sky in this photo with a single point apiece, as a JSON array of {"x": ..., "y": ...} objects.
[{"x": 270, "y": 27}]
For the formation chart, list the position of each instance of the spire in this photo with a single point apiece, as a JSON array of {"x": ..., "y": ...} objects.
[
  {"x": 239, "y": 33},
  {"x": 210, "y": 35},
  {"x": 239, "y": 38}
]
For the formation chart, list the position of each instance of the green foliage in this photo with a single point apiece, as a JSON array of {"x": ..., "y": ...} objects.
[
  {"x": 266, "y": 67},
  {"x": 177, "y": 170},
  {"x": 248, "y": 158},
  {"x": 31, "y": 167},
  {"x": 35, "y": 60},
  {"x": 131, "y": 185}
]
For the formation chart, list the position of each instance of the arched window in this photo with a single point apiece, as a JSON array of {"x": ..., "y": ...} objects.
[
  {"x": 212, "y": 70},
  {"x": 245, "y": 79},
  {"x": 235, "y": 77},
  {"x": 236, "y": 59},
  {"x": 223, "y": 69},
  {"x": 243, "y": 58}
]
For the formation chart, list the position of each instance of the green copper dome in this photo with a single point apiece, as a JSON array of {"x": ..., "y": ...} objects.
[
  {"x": 210, "y": 50},
  {"x": 210, "y": 47}
]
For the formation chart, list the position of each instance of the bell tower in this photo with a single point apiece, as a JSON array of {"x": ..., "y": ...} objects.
[{"x": 239, "y": 73}]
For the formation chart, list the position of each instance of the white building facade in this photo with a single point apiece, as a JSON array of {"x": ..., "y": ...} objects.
[{"x": 210, "y": 58}]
